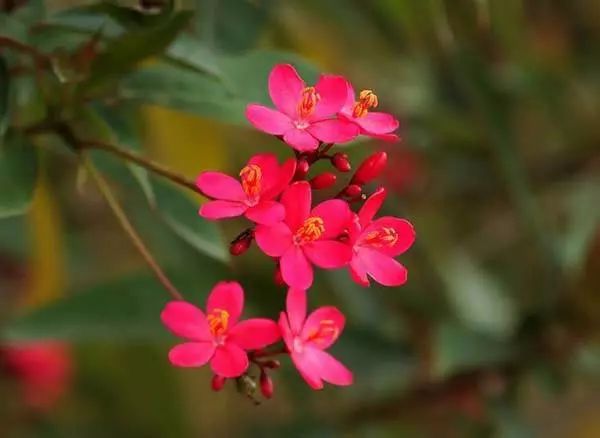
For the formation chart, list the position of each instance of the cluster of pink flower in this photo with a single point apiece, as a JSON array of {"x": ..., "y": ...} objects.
[{"x": 278, "y": 200}]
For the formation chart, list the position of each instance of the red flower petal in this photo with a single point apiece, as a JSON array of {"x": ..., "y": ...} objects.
[
  {"x": 300, "y": 140},
  {"x": 332, "y": 91},
  {"x": 296, "y": 309},
  {"x": 255, "y": 333},
  {"x": 274, "y": 239},
  {"x": 286, "y": 331},
  {"x": 404, "y": 231},
  {"x": 228, "y": 296},
  {"x": 266, "y": 212},
  {"x": 323, "y": 327},
  {"x": 384, "y": 269},
  {"x": 220, "y": 186},
  {"x": 336, "y": 217},
  {"x": 328, "y": 254},
  {"x": 308, "y": 370},
  {"x": 377, "y": 123},
  {"x": 371, "y": 206},
  {"x": 285, "y": 88},
  {"x": 191, "y": 354},
  {"x": 358, "y": 272},
  {"x": 229, "y": 361},
  {"x": 334, "y": 131},
  {"x": 268, "y": 120},
  {"x": 330, "y": 369},
  {"x": 186, "y": 320},
  {"x": 296, "y": 199},
  {"x": 295, "y": 269},
  {"x": 222, "y": 209}
]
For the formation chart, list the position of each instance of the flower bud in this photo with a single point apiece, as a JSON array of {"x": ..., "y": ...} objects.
[
  {"x": 323, "y": 181},
  {"x": 272, "y": 364},
  {"x": 352, "y": 191},
  {"x": 370, "y": 168},
  {"x": 266, "y": 385},
  {"x": 341, "y": 162},
  {"x": 242, "y": 242},
  {"x": 217, "y": 382},
  {"x": 302, "y": 167}
]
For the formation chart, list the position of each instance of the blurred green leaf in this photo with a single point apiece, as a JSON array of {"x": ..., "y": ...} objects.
[
  {"x": 182, "y": 89},
  {"x": 478, "y": 300},
  {"x": 232, "y": 25},
  {"x": 18, "y": 174},
  {"x": 4, "y": 97},
  {"x": 123, "y": 53},
  {"x": 582, "y": 212},
  {"x": 180, "y": 214},
  {"x": 457, "y": 349},
  {"x": 123, "y": 310}
]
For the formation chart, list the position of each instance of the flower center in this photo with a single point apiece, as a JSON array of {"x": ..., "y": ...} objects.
[
  {"x": 366, "y": 100},
  {"x": 310, "y": 230},
  {"x": 308, "y": 102},
  {"x": 218, "y": 320},
  {"x": 251, "y": 177},
  {"x": 327, "y": 331},
  {"x": 385, "y": 236}
]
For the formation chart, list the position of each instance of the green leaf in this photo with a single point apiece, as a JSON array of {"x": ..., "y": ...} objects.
[
  {"x": 183, "y": 89},
  {"x": 18, "y": 174},
  {"x": 246, "y": 75},
  {"x": 477, "y": 299},
  {"x": 4, "y": 97},
  {"x": 458, "y": 349},
  {"x": 180, "y": 214},
  {"x": 123, "y": 53},
  {"x": 127, "y": 309}
]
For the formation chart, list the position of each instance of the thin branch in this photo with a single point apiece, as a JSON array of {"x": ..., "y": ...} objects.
[
  {"x": 129, "y": 230},
  {"x": 142, "y": 161},
  {"x": 39, "y": 57}
]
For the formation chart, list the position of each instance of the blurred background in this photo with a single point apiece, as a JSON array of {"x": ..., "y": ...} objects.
[{"x": 496, "y": 332}]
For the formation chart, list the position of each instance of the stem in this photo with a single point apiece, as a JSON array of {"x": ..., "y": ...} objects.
[
  {"x": 63, "y": 130},
  {"x": 39, "y": 57},
  {"x": 129, "y": 230},
  {"x": 142, "y": 161}
]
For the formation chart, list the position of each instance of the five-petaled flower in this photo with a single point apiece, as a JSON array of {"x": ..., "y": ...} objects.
[
  {"x": 375, "y": 243},
  {"x": 304, "y": 114},
  {"x": 306, "y": 235},
  {"x": 371, "y": 123},
  {"x": 262, "y": 179},
  {"x": 307, "y": 338},
  {"x": 218, "y": 336}
]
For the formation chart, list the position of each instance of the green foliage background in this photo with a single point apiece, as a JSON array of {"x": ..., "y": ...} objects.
[{"x": 496, "y": 332}]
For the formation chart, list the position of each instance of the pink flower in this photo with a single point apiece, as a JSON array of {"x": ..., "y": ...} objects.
[
  {"x": 373, "y": 124},
  {"x": 217, "y": 337},
  {"x": 306, "y": 236},
  {"x": 377, "y": 242},
  {"x": 44, "y": 370},
  {"x": 303, "y": 114},
  {"x": 307, "y": 338},
  {"x": 262, "y": 179}
]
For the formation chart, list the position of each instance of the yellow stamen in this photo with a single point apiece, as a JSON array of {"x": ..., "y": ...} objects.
[
  {"x": 366, "y": 100},
  {"x": 218, "y": 320},
  {"x": 311, "y": 230},
  {"x": 251, "y": 176},
  {"x": 385, "y": 236},
  {"x": 308, "y": 102},
  {"x": 327, "y": 331}
]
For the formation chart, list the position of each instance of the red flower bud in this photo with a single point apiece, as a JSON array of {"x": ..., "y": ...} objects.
[
  {"x": 217, "y": 382},
  {"x": 323, "y": 181},
  {"x": 239, "y": 247},
  {"x": 341, "y": 162},
  {"x": 370, "y": 168},
  {"x": 353, "y": 191},
  {"x": 272, "y": 363},
  {"x": 266, "y": 385},
  {"x": 302, "y": 167}
]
